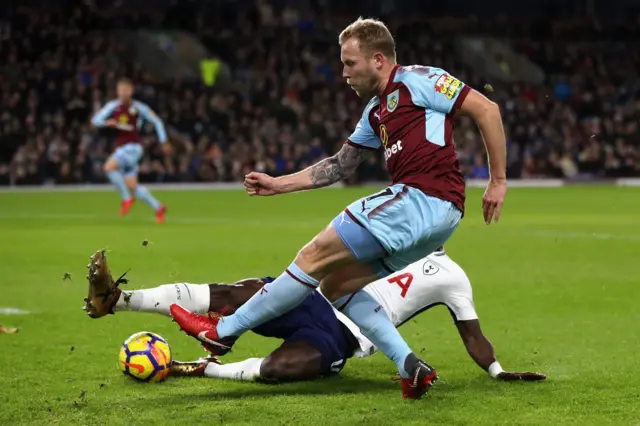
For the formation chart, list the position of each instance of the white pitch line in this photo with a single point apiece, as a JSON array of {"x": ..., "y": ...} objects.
[
  {"x": 547, "y": 233},
  {"x": 284, "y": 224},
  {"x": 173, "y": 219},
  {"x": 13, "y": 311}
]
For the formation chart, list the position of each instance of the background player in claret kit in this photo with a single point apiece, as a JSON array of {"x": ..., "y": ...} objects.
[
  {"x": 126, "y": 115},
  {"x": 318, "y": 339},
  {"x": 410, "y": 117}
]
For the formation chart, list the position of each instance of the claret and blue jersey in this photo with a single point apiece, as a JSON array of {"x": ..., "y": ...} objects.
[
  {"x": 412, "y": 122},
  {"x": 129, "y": 117}
]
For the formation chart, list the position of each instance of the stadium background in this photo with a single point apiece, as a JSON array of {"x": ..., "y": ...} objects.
[{"x": 255, "y": 85}]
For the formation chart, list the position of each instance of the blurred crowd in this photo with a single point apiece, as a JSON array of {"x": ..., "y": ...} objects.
[{"x": 288, "y": 105}]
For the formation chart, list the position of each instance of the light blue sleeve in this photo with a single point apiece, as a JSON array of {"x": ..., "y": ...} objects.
[
  {"x": 363, "y": 134},
  {"x": 147, "y": 114},
  {"x": 431, "y": 88},
  {"x": 107, "y": 110}
]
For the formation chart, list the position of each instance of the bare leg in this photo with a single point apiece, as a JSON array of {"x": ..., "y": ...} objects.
[
  {"x": 321, "y": 256},
  {"x": 347, "y": 280},
  {"x": 232, "y": 296},
  {"x": 141, "y": 192},
  {"x": 292, "y": 361},
  {"x": 115, "y": 176},
  {"x": 132, "y": 183}
]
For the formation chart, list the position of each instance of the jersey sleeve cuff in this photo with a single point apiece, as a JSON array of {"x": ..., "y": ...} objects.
[
  {"x": 357, "y": 145},
  {"x": 461, "y": 97}
]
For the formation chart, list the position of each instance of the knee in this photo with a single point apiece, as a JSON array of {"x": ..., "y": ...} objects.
[
  {"x": 110, "y": 165},
  {"x": 287, "y": 369},
  {"x": 312, "y": 256},
  {"x": 313, "y": 250}
]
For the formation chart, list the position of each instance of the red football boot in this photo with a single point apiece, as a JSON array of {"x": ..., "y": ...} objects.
[
  {"x": 203, "y": 328},
  {"x": 160, "y": 213},
  {"x": 421, "y": 379},
  {"x": 126, "y": 206}
]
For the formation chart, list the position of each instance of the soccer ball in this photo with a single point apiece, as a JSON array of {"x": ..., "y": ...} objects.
[{"x": 145, "y": 357}]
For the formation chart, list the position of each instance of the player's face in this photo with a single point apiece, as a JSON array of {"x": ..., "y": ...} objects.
[
  {"x": 125, "y": 91},
  {"x": 359, "y": 69}
]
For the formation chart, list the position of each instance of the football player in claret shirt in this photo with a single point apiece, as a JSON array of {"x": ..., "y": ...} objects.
[
  {"x": 410, "y": 117},
  {"x": 126, "y": 115}
]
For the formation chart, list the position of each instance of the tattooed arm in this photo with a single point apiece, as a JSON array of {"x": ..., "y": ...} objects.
[
  {"x": 337, "y": 167},
  {"x": 324, "y": 173},
  {"x": 328, "y": 171}
]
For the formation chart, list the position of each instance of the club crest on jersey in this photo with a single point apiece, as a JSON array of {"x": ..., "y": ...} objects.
[
  {"x": 393, "y": 99},
  {"x": 429, "y": 268},
  {"x": 132, "y": 111}
]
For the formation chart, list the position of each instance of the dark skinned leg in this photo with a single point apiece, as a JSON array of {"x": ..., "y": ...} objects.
[
  {"x": 232, "y": 296},
  {"x": 292, "y": 361}
]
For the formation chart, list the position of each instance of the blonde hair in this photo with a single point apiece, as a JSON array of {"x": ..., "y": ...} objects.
[{"x": 373, "y": 35}]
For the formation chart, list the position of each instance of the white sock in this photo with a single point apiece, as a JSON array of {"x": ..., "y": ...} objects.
[
  {"x": 194, "y": 297},
  {"x": 249, "y": 370}
]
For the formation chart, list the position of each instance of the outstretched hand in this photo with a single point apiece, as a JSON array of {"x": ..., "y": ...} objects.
[{"x": 525, "y": 377}]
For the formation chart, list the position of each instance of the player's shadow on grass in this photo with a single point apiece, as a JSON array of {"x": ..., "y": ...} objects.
[
  {"x": 231, "y": 390},
  {"x": 325, "y": 386},
  {"x": 452, "y": 389}
]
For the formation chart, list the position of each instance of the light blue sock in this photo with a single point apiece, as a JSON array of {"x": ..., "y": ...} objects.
[
  {"x": 117, "y": 179},
  {"x": 142, "y": 193},
  {"x": 276, "y": 298},
  {"x": 375, "y": 324}
]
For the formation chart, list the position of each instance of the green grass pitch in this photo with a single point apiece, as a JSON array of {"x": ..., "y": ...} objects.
[{"x": 555, "y": 282}]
